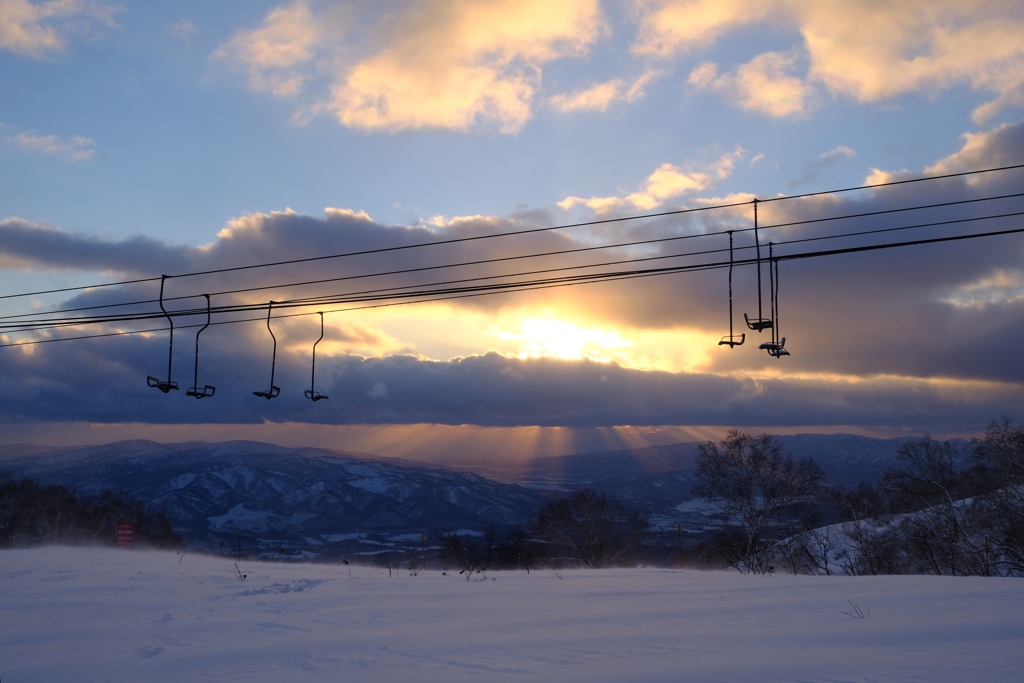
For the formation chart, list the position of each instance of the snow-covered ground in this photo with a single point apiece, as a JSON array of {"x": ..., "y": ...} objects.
[{"x": 87, "y": 614}]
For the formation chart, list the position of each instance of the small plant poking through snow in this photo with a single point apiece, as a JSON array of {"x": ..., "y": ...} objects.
[
  {"x": 857, "y": 612},
  {"x": 237, "y": 573},
  {"x": 384, "y": 562}
]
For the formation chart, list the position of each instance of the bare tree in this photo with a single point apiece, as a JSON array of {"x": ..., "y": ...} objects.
[
  {"x": 491, "y": 536},
  {"x": 384, "y": 562},
  {"x": 1000, "y": 456},
  {"x": 517, "y": 550},
  {"x": 456, "y": 550},
  {"x": 929, "y": 486},
  {"x": 590, "y": 529},
  {"x": 762, "y": 497}
]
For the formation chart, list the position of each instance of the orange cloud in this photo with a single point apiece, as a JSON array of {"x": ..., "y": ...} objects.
[
  {"x": 666, "y": 182},
  {"x": 603, "y": 95},
  {"x": 442, "y": 64},
  {"x": 865, "y": 50},
  {"x": 273, "y": 53},
  {"x": 455, "y": 64},
  {"x": 74, "y": 148},
  {"x": 762, "y": 84},
  {"x": 38, "y": 30}
]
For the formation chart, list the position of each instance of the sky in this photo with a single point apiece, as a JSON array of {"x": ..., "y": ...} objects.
[{"x": 142, "y": 139}]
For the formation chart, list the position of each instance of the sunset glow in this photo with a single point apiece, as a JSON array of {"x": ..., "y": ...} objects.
[
  {"x": 561, "y": 339},
  {"x": 513, "y": 215}
]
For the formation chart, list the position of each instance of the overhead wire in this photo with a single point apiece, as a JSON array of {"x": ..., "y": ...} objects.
[
  {"x": 24, "y": 325},
  {"x": 521, "y": 232},
  {"x": 530, "y": 286},
  {"x": 565, "y": 252}
]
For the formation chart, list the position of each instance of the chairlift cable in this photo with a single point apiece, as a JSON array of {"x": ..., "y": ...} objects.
[
  {"x": 568, "y": 251},
  {"x": 39, "y": 325},
  {"x": 22, "y": 317},
  {"x": 627, "y": 276},
  {"x": 521, "y": 232}
]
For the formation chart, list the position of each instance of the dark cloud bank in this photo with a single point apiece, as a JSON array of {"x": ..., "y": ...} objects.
[
  {"x": 95, "y": 385},
  {"x": 928, "y": 335}
]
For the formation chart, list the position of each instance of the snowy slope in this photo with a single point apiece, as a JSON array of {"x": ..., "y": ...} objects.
[{"x": 81, "y": 614}]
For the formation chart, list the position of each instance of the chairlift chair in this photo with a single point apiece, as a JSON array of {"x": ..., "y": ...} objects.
[
  {"x": 207, "y": 390},
  {"x": 311, "y": 393},
  {"x": 273, "y": 392},
  {"x": 155, "y": 382},
  {"x": 759, "y": 324},
  {"x": 730, "y": 340},
  {"x": 777, "y": 346}
]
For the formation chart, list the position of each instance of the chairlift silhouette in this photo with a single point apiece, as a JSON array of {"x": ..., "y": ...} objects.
[
  {"x": 311, "y": 393},
  {"x": 273, "y": 391},
  {"x": 760, "y": 323},
  {"x": 153, "y": 381},
  {"x": 207, "y": 390},
  {"x": 777, "y": 346},
  {"x": 730, "y": 341}
]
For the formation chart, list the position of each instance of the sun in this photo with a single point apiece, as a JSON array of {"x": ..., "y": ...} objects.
[{"x": 553, "y": 338}]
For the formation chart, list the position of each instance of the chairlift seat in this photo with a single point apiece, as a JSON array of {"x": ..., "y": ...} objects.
[
  {"x": 314, "y": 395},
  {"x": 773, "y": 346},
  {"x": 776, "y": 349},
  {"x": 205, "y": 392},
  {"x": 730, "y": 340},
  {"x": 759, "y": 324},
  {"x": 273, "y": 393},
  {"x": 162, "y": 386}
]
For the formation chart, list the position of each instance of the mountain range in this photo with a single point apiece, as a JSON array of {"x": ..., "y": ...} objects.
[{"x": 311, "y": 501}]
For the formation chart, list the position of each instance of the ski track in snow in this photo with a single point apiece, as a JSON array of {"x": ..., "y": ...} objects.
[{"x": 91, "y": 614}]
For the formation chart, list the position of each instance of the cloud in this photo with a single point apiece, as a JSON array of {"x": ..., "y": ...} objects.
[
  {"x": 183, "y": 30},
  {"x": 601, "y": 96},
  {"x": 762, "y": 84},
  {"x": 272, "y": 54},
  {"x": 838, "y": 152},
  {"x": 912, "y": 335},
  {"x": 438, "y": 64},
  {"x": 74, "y": 148},
  {"x": 666, "y": 182},
  {"x": 29, "y": 246},
  {"x": 814, "y": 168},
  {"x": 989, "y": 149},
  {"x": 41, "y": 29},
  {"x": 864, "y": 50},
  {"x": 103, "y": 381}
]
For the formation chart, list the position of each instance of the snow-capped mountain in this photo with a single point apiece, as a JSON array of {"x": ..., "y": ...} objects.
[
  {"x": 327, "y": 501},
  {"x": 283, "y": 496}
]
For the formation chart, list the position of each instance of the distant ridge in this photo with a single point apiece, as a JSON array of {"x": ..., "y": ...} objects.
[
  {"x": 314, "y": 499},
  {"x": 15, "y": 450},
  {"x": 310, "y": 499}
]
